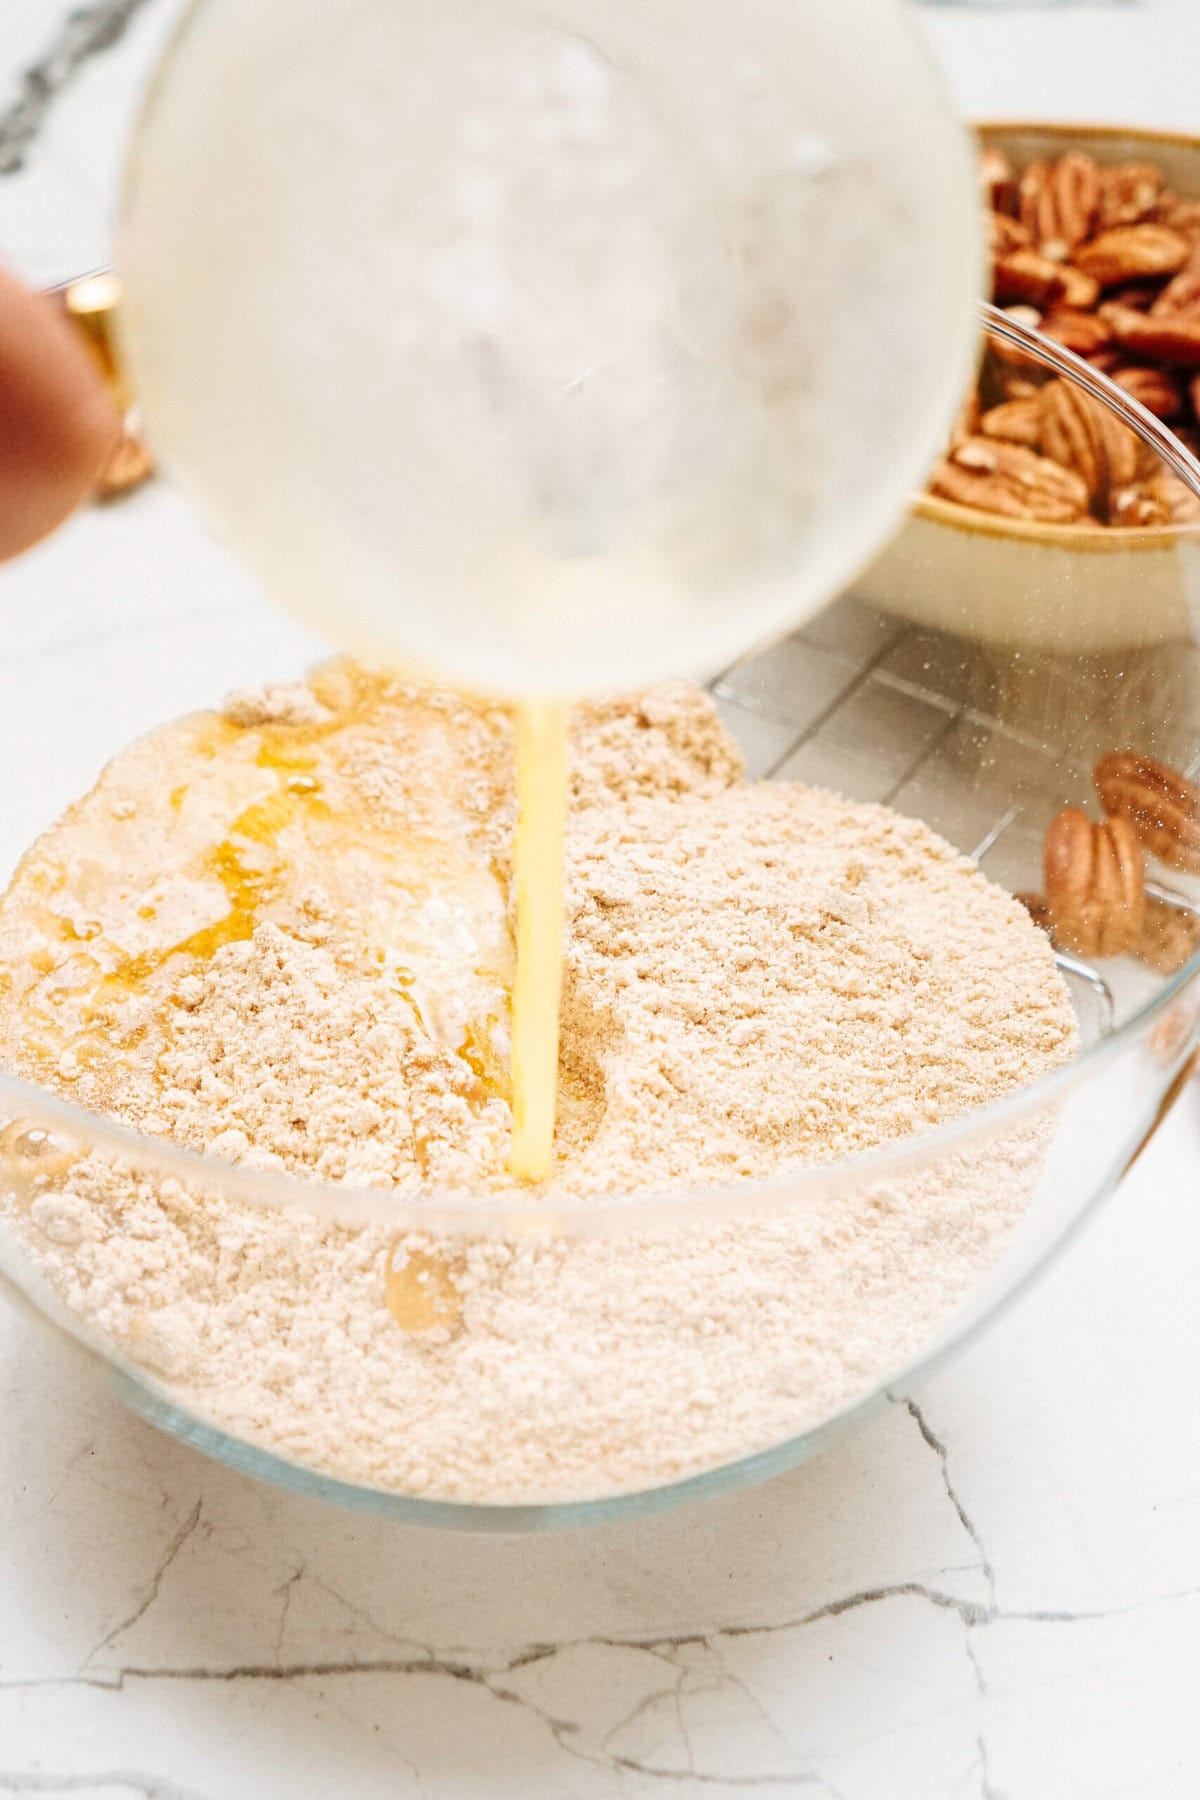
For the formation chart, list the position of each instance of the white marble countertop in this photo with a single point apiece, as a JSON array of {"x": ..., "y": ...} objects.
[{"x": 992, "y": 1595}]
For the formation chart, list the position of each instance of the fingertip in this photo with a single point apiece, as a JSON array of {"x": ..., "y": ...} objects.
[{"x": 58, "y": 423}]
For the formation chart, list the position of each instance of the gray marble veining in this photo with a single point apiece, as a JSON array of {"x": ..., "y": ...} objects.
[
  {"x": 989, "y": 1593},
  {"x": 82, "y": 34}
]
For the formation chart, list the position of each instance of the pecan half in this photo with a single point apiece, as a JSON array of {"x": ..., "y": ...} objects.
[
  {"x": 1170, "y": 936},
  {"x": 1161, "y": 806},
  {"x": 1182, "y": 295},
  {"x": 1182, "y": 216},
  {"x": 1017, "y": 421},
  {"x": 1129, "y": 192},
  {"x": 1136, "y": 506},
  {"x": 1071, "y": 435},
  {"x": 1181, "y": 501},
  {"x": 1058, "y": 203},
  {"x": 1122, "y": 447},
  {"x": 1095, "y": 885},
  {"x": 1011, "y": 480},
  {"x": 1079, "y": 290},
  {"x": 1154, "y": 389},
  {"x": 1131, "y": 253},
  {"x": 1024, "y": 275},
  {"x": 1171, "y": 340},
  {"x": 1084, "y": 436},
  {"x": 1082, "y": 332}
]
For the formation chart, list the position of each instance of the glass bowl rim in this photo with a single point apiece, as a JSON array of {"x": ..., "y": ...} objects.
[
  {"x": 500, "y": 1213},
  {"x": 152, "y": 1400}
]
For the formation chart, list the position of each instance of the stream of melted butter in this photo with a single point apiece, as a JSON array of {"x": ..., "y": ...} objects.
[{"x": 541, "y": 728}]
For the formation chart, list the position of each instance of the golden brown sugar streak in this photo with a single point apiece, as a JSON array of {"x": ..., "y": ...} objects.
[{"x": 541, "y": 746}]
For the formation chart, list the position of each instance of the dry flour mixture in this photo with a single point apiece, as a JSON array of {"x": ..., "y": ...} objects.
[{"x": 281, "y": 934}]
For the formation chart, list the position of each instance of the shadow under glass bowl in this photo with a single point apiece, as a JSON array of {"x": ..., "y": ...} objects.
[{"x": 984, "y": 741}]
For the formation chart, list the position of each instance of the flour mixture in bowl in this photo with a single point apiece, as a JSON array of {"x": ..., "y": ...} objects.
[{"x": 281, "y": 934}]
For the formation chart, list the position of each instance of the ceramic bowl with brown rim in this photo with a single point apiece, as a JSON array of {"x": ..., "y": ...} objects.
[{"x": 1064, "y": 586}]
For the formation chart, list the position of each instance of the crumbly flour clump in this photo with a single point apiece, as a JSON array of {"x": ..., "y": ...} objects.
[{"x": 282, "y": 935}]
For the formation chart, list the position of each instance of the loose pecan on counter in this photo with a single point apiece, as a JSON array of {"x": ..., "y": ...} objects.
[
  {"x": 1095, "y": 884},
  {"x": 1161, "y": 806}
]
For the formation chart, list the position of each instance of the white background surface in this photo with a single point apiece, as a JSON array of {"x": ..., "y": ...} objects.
[{"x": 998, "y": 1599}]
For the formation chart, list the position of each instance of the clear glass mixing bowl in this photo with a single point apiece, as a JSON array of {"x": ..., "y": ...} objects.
[{"x": 984, "y": 727}]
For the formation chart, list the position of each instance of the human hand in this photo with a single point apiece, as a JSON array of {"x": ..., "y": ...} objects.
[{"x": 58, "y": 425}]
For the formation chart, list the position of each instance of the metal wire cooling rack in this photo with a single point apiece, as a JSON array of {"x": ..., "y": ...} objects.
[{"x": 983, "y": 744}]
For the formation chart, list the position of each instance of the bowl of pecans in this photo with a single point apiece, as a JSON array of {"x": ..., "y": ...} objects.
[{"x": 1094, "y": 324}]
